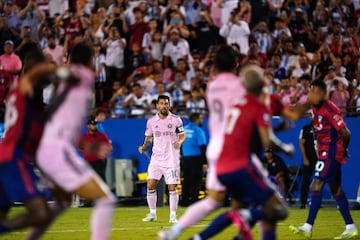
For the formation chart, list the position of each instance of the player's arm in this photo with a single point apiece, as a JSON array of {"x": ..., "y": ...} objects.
[
  {"x": 181, "y": 135},
  {"x": 269, "y": 140},
  {"x": 38, "y": 73},
  {"x": 148, "y": 140},
  {"x": 294, "y": 113},
  {"x": 345, "y": 136}
]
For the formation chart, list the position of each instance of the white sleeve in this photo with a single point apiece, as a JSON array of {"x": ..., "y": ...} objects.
[{"x": 224, "y": 30}]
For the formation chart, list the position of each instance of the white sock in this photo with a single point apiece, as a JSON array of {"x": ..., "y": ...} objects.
[
  {"x": 177, "y": 229},
  {"x": 358, "y": 199},
  {"x": 172, "y": 213},
  {"x": 153, "y": 211},
  {"x": 307, "y": 227},
  {"x": 246, "y": 214},
  {"x": 196, "y": 237},
  {"x": 350, "y": 227}
]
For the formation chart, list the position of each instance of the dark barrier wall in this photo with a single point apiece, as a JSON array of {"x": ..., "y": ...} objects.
[{"x": 127, "y": 134}]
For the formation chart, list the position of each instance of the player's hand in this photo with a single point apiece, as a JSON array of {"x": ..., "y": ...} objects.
[
  {"x": 177, "y": 145},
  {"x": 288, "y": 149},
  {"x": 104, "y": 150},
  {"x": 141, "y": 149}
]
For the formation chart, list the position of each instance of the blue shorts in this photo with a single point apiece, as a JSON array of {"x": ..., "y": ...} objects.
[
  {"x": 247, "y": 185},
  {"x": 18, "y": 182},
  {"x": 327, "y": 170}
]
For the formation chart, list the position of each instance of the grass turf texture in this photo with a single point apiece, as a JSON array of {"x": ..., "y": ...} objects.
[{"x": 127, "y": 224}]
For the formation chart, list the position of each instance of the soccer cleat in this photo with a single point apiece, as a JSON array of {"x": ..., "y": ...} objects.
[
  {"x": 149, "y": 218},
  {"x": 242, "y": 225},
  {"x": 166, "y": 235},
  {"x": 173, "y": 219},
  {"x": 301, "y": 231},
  {"x": 349, "y": 234}
]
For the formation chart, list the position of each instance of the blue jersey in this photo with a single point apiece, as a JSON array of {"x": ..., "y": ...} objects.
[{"x": 195, "y": 137}]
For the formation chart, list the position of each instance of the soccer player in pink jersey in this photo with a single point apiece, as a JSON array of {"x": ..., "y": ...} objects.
[
  {"x": 165, "y": 130},
  {"x": 57, "y": 157},
  {"x": 220, "y": 94},
  {"x": 333, "y": 138}
]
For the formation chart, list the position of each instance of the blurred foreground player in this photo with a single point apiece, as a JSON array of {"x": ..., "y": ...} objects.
[
  {"x": 24, "y": 122},
  {"x": 220, "y": 94},
  {"x": 333, "y": 138},
  {"x": 57, "y": 157}
]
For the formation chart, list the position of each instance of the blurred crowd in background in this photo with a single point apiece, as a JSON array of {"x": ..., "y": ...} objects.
[{"x": 147, "y": 48}]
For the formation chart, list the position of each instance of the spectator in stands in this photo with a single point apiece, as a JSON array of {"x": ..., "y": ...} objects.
[
  {"x": 12, "y": 18},
  {"x": 196, "y": 104},
  {"x": 175, "y": 48},
  {"x": 117, "y": 19},
  {"x": 54, "y": 52},
  {"x": 339, "y": 95},
  {"x": 43, "y": 34},
  {"x": 9, "y": 61},
  {"x": 177, "y": 87},
  {"x": 99, "y": 66},
  {"x": 145, "y": 82},
  {"x": 152, "y": 41},
  {"x": 139, "y": 28},
  {"x": 100, "y": 117},
  {"x": 95, "y": 29},
  {"x": 278, "y": 169},
  {"x": 317, "y": 67},
  {"x": 115, "y": 46},
  {"x": 236, "y": 31},
  {"x": 32, "y": 16},
  {"x": 117, "y": 100},
  {"x": 262, "y": 35},
  {"x": 138, "y": 102},
  {"x": 161, "y": 90}
]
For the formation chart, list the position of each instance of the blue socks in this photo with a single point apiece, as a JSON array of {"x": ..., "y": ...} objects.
[
  {"x": 269, "y": 235},
  {"x": 216, "y": 226},
  {"x": 343, "y": 205},
  {"x": 314, "y": 207}
]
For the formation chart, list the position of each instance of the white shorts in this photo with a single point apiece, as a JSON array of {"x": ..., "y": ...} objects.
[
  {"x": 171, "y": 175},
  {"x": 61, "y": 164}
]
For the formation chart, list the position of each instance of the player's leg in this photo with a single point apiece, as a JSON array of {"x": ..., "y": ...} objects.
[
  {"x": 104, "y": 202},
  {"x": 305, "y": 183},
  {"x": 20, "y": 183},
  {"x": 154, "y": 175},
  {"x": 172, "y": 179},
  {"x": 62, "y": 202},
  {"x": 343, "y": 206}
]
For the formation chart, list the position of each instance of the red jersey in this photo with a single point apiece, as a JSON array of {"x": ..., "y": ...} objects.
[
  {"x": 327, "y": 121},
  {"x": 24, "y": 124},
  {"x": 96, "y": 137},
  {"x": 243, "y": 119}
]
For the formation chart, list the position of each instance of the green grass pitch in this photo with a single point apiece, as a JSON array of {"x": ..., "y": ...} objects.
[{"x": 127, "y": 224}]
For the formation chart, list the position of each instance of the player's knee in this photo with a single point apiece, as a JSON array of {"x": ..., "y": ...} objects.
[
  {"x": 316, "y": 186},
  {"x": 108, "y": 201},
  {"x": 40, "y": 215},
  {"x": 278, "y": 212}
]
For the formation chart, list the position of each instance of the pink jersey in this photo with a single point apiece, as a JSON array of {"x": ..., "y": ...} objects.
[
  {"x": 220, "y": 95},
  {"x": 67, "y": 121},
  {"x": 165, "y": 133}
]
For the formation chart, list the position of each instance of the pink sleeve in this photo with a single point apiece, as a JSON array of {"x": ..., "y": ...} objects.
[{"x": 148, "y": 131}]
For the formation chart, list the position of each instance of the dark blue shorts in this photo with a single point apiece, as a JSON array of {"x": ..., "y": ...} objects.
[
  {"x": 18, "y": 182},
  {"x": 328, "y": 170},
  {"x": 247, "y": 185}
]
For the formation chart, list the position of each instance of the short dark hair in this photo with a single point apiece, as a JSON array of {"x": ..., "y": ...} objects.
[
  {"x": 136, "y": 85},
  {"x": 82, "y": 53},
  {"x": 319, "y": 83},
  {"x": 225, "y": 59},
  {"x": 194, "y": 116},
  {"x": 163, "y": 97}
]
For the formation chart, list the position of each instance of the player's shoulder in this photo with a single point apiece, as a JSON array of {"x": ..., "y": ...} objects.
[{"x": 330, "y": 107}]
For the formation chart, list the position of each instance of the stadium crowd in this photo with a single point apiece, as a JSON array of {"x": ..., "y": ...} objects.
[{"x": 147, "y": 48}]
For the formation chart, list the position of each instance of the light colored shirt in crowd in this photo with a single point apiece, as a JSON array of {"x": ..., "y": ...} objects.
[
  {"x": 98, "y": 61},
  {"x": 147, "y": 84},
  {"x": 115, "y": 54},
  {"x": 164, "y": 133},
  {"x": 57, "y": 54},
  {"x": 237, "y": 33},
  {"x": 180, "y": 50},
  {"x": 139, "y": 105}
]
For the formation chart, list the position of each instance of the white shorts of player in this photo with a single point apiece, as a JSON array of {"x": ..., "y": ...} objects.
[{"x": 171, "y": 175}]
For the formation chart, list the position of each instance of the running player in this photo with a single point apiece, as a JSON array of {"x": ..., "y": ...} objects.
[
  {"x": 24, "y": 122},
  {"x": 57, "y": 157},
  {"x": 167, "y": 132},
  {"x": 220, "y": 93},
  {"x": 333, "y": 138}
]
